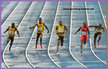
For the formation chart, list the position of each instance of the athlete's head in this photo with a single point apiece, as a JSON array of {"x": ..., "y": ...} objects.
[
  {"x": 85, "y": 24},
  {"x": 60, "y": 22},
  {"x": 40, "y": 20},
  {"x": 13, "y": 25},
  {"x": 100, "y": 25}
]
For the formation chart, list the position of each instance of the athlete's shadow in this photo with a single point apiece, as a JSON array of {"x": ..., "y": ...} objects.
[{"x": 11, "y": 55}]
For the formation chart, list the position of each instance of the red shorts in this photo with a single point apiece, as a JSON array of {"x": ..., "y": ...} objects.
[{"x": 83, "y": 37}]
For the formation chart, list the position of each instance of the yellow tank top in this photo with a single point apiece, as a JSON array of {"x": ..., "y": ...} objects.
[
  {"x": 97, "y": 29},
  {"x": 40, "y": 27},
  {"x": 61, "y": 30},
  {"x": 11, "y": 31}
]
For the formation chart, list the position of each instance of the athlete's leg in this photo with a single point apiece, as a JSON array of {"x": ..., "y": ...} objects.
[
  {"x": 81, "y": 45},
  {"x": 85, "y": 40},
  {"x": 99, "y": 38},
  {"x": 95, "y": 36},
  {"x": 58, "y": 43},
  {"x": 12, "y": 39},
  {"x": 37, "y": 38},
  {"x": 41, "y": 40},
  {"x": 62, "y": 40},
  {"x": 8, "y": 39}
]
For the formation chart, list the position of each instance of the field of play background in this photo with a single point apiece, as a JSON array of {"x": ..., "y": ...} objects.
[{"x": 26, "y": 13}]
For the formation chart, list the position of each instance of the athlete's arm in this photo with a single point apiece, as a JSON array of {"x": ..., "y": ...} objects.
[
  {"x": 88, "y": 32},
  {"x": 46, "y": 27},
  {"x": 66, "y": 29},
  {"x": 92, "y": 26},
  {"x": 77, "y": 30},
  {"x": 17, "y": 32},
  {"x": 6, "y": 30},
  {"x": 33, "y": 26},
  {"x": 56, "y": 29}
]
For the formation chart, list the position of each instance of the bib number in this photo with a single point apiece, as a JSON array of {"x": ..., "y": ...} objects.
[
  {"x": 40, "y": 28},
  {"x": 60, "y": 30},
  {"x": 83, "y": 33},
  {"x": 11, "y": 32},
  {"x": 97, "y": 30}
]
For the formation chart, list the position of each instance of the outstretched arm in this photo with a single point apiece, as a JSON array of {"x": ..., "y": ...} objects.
[
  {"x": 33, "y": 26},
  {"x": 66, "y": 29},
  {"x": 6, "y": 30},
  {"x": 92, "y": 26},
  {"x": 88, "y": 32},
  {"x": 46, "y": 28},
  {"x": 56, "y": 29},
  {"x": 17, "y": 32},
  {"x": 77, "y": 30}
]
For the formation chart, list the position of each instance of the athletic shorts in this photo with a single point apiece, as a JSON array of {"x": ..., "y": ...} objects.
[
  {"x": 61, "y": 38},
  {"x": 38, "y": 35},
  {"x": 96, "y": 34},
  {"x": 11, "y": 38},
  {"x": 83, "y": 37}
]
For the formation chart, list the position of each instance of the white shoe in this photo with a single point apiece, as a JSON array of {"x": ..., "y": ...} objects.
[{"x": 57, "y": 53}]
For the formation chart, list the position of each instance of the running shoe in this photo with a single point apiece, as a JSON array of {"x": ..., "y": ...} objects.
[
  {"x": 98, "y": 43},
  {"x": 94, "y": 46},
  {"x": 41, "y": 46},
  {"x": 57, "y": 53},
  {"x": 36, "y": 46}
]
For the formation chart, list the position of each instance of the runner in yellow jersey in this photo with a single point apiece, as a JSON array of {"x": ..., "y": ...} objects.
[
  {"x": 40, "y": 30},
  {"x": 60, "y": 31},
  {"x": 98, "y": 32},
  {"x": 11, "y": 33}
]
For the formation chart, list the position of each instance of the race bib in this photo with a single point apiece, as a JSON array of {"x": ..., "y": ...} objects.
[
  {"x": 40, "y": 28},
  {"x": 83, "y": 33},
  {"x": 97, "y": 30},
  {"x": 11, "y": 32},
  {"x": 61, "y": 30}
]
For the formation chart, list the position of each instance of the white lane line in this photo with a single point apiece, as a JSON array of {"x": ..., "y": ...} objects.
[
  {"x": 52, "y": 36},
  {"x": 10, "y": 14},
  {"x": 30, "y": 41},
  {"x": 102, "y": 14},
  {"x": 3, "y": 55},
  {"x": 71, "y": 41},
  {"x": 90, "y": 38},
  {"x": 9, "y": 43}
]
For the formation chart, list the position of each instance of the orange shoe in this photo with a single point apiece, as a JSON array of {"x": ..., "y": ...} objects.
[
  {"x": 36, "y": 46},
  {"x": 41, "y": 46},
  {"x": 94, "y": 46},
  {"x": 98, "y": 43}
]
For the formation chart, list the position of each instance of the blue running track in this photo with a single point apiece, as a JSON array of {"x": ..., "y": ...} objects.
[{"x": 26, "y": 14}]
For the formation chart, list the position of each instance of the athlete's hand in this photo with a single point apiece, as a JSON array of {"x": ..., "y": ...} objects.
[
  {"x": 75, "y": 33},
  {"x": 66, "y": 31},
  {"x": 48, "y": 31},
  {"x": 30, "y": 27},
  {"x": 56, "y": 32},
  {"x": 18, "y": 35}
]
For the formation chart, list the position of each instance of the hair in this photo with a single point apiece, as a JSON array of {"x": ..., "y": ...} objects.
[
  {"x": 13, "y": 25},
  {"x": 100, "y": 24},
  {"x": 84, "y": 22}
]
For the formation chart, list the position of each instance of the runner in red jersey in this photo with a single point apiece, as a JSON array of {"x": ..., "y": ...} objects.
[{"x": 84, "y": 28}]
